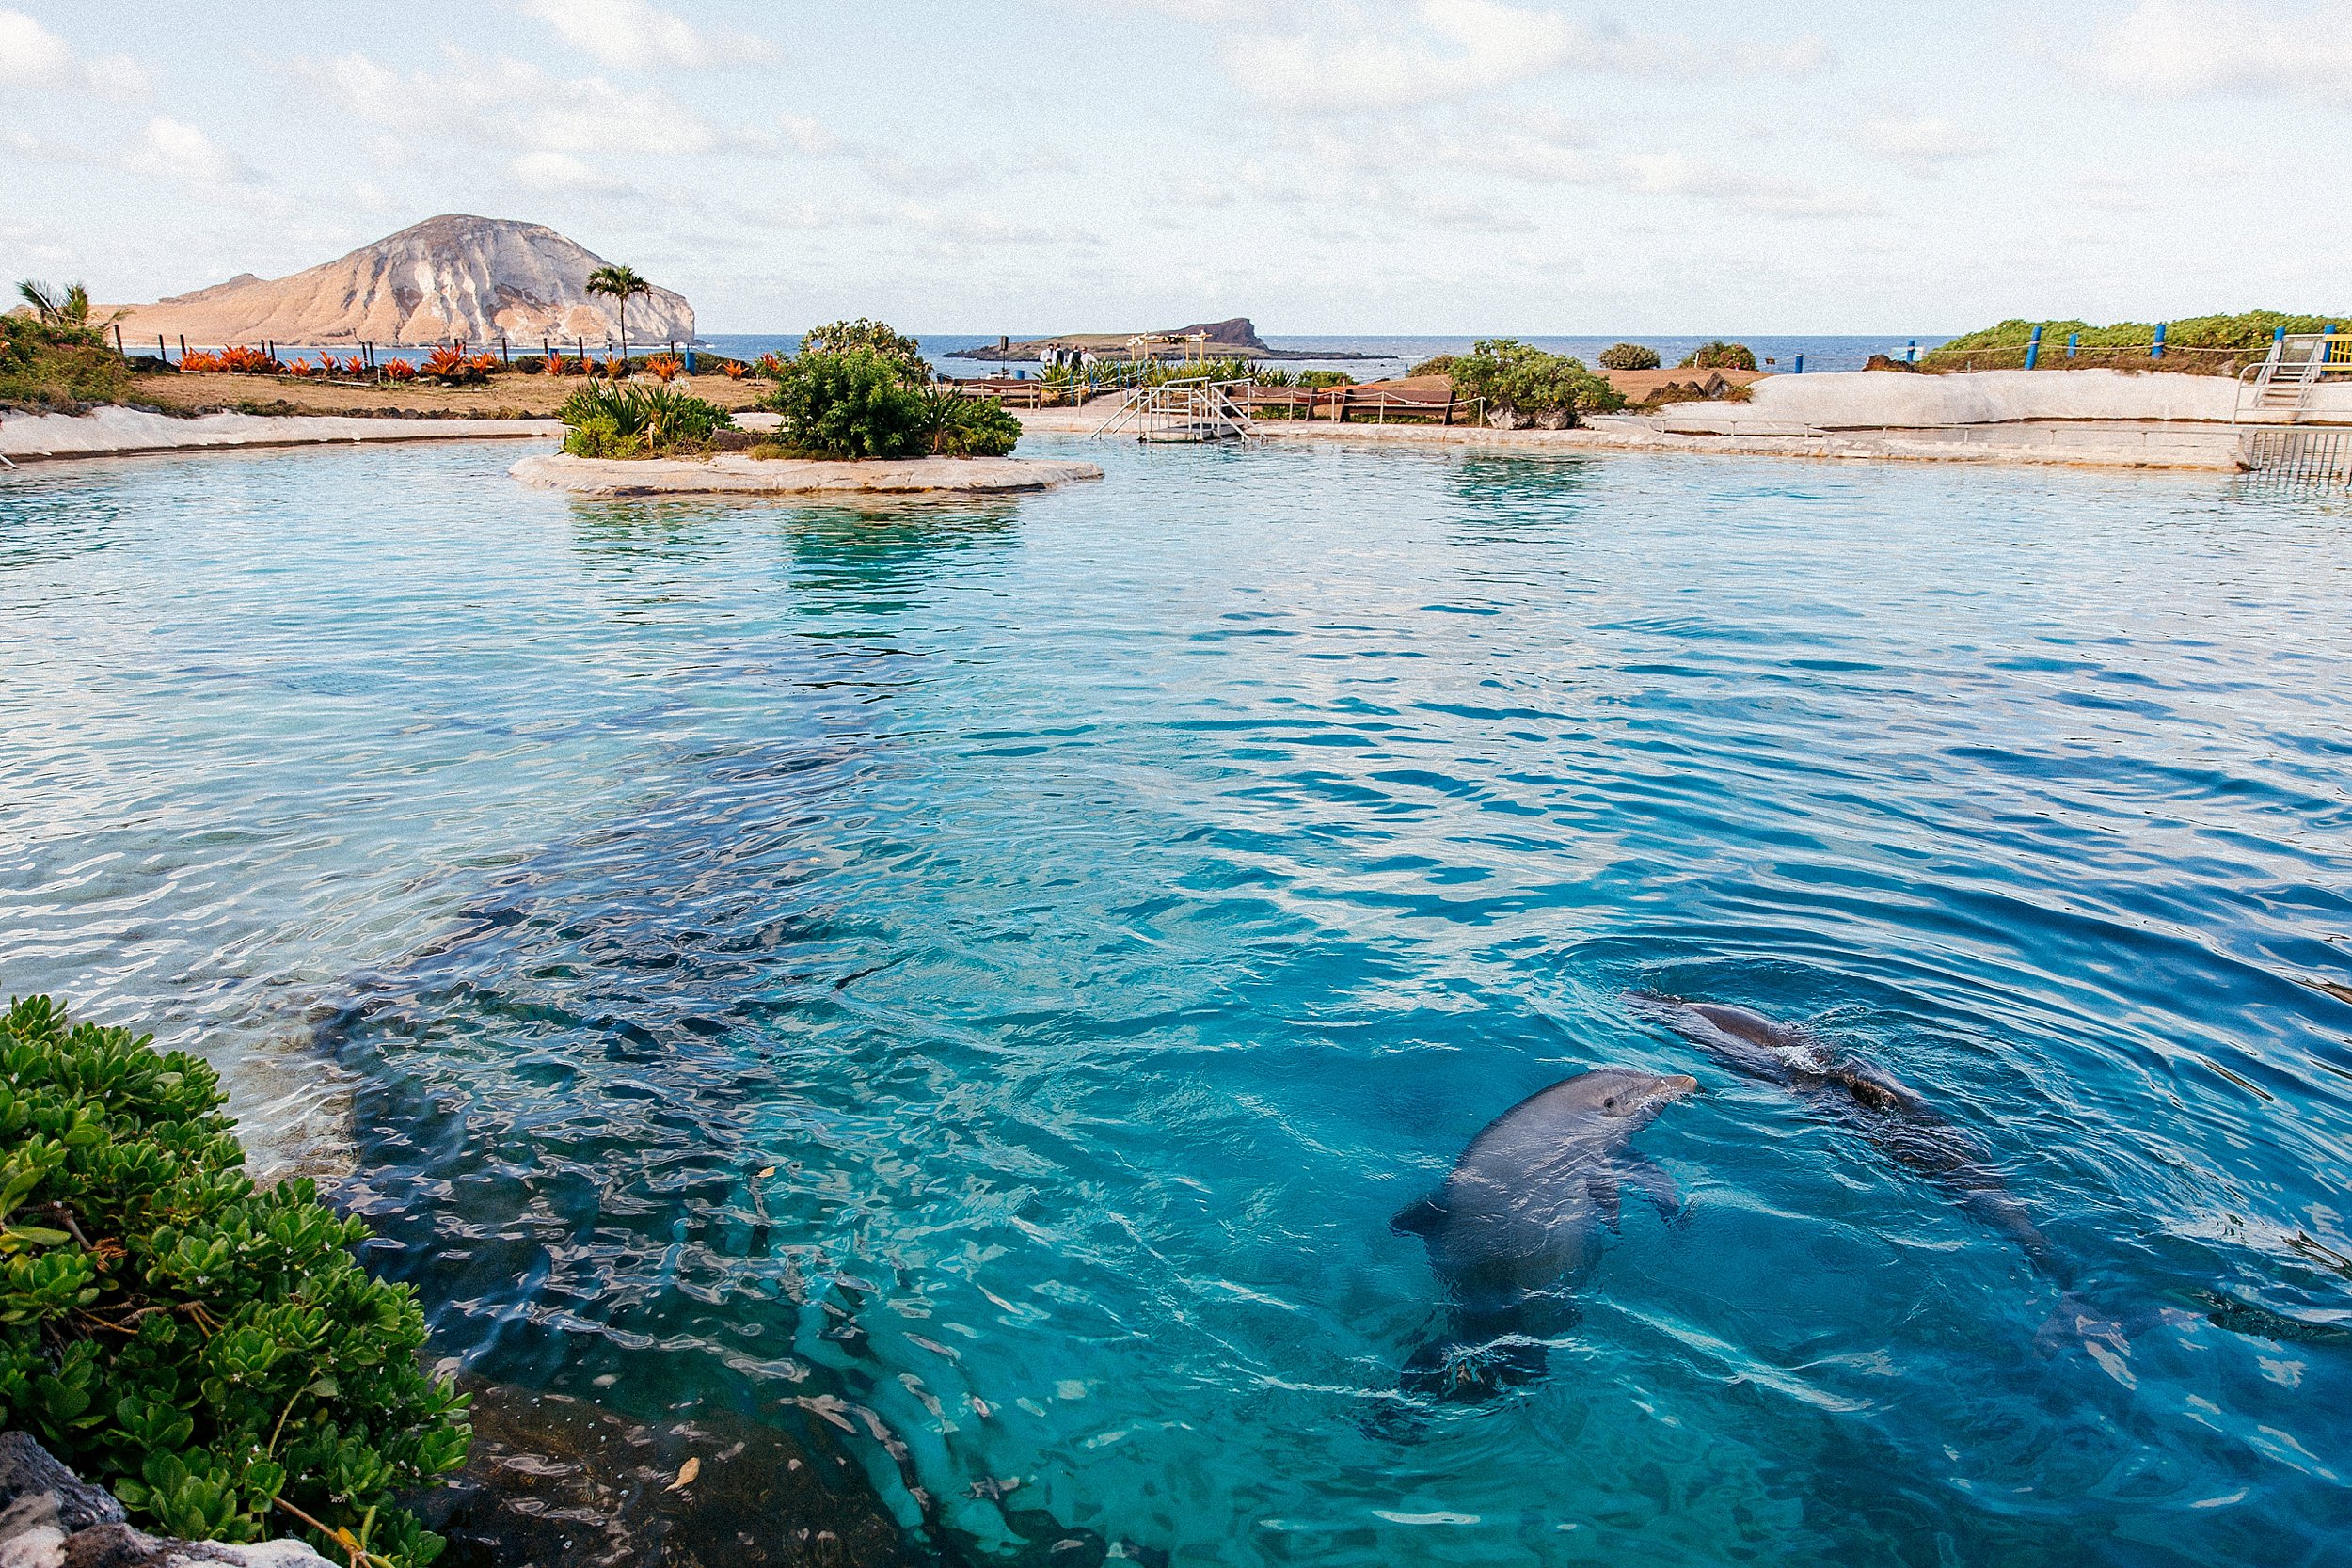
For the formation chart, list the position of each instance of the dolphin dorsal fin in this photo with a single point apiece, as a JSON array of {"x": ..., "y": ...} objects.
[{"x": 1420, "y": 1218}]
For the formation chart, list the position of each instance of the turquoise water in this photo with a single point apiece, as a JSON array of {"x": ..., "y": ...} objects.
[{"x": 883, "y": 967}]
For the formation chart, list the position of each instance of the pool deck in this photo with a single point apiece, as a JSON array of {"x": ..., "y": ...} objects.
[
  {"x": 2105, "y": 443},
  {"x": 2088, "y": 418},
  {"x": 127, "y": 432},
  {"x": 735, "y": 474}
]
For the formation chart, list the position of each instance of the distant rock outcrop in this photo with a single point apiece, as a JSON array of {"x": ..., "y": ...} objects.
[
  {"x": 1237, "y": 338},
  {"x": 452, "y": 276}
]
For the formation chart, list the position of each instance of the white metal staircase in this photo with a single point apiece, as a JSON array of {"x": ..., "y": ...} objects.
[
  {"x": 1194, "y": 410},
  {"x": 2293, "y": 369}
]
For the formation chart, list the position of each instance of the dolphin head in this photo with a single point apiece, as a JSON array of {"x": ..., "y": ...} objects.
[{"x": 1628, "y": 1093}]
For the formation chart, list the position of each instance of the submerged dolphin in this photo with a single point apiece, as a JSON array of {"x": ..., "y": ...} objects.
[
  {"x": 1517, "y": 1222},
  {"x": 1886, "y": 1111}
]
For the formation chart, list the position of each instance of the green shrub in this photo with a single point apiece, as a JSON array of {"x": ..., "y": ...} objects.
[
  {"x": 211, "y": 1350},
  {"x": 2247, "y": 332},
  {"x": 1441, "y": 365},
  {"x": 852, "y": 403},
  {"x": 1323, "y": 381},
  {"x": 1629, "y": 356},
  {"x": 62, "y": 366},
  {"x": 1716, "y": 354},
  {"x": 961, "y": 426},
  {"x": 1517, "y": 379},
  {"x": 610, "y": 419},
  {"x": 874, "y": 337}
]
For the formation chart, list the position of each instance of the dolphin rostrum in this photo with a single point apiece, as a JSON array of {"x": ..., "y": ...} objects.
[{"x": 1517, "y": 1224}]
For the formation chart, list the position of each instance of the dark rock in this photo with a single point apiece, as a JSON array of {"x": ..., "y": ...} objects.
[
  {"x": 554, "y": 1480},
  {"x": 36, "y": 1490},
  {"x": 737, "y": 440}
]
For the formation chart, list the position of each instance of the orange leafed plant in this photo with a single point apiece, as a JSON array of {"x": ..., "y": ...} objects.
[
  {"x": 399, "y": 369},
  {"x": 352, "y": 367},
  {"x": 302, "y": 368},
  {"x": 445, "y": 360},
  {"x": 615, "y": 367},
  {"x": 737, "y": 370},
  {"x": 483, "y": 364},
  {"x": 555, "y": 364},
  {"x": 665, "y": 367}
]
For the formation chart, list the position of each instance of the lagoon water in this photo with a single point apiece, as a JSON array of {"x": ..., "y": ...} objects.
[{"x": 885, "y": 967}]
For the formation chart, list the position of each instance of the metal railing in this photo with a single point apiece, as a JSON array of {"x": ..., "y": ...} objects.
[
  {"x": 2297, "y": 366},
  {"x": 1182, "y": 411},
  {"x": 2300, "y": 461}
]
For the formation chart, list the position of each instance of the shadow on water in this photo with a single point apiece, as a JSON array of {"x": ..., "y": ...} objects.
[{"x": 607, "y": 1132}]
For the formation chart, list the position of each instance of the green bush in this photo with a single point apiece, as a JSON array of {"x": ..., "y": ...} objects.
[
  {"x": 61, "y": 366},
  {"x": 610, "y": 419},
  {"x": 1517, "y": 379},
  {"x": 211, "y": 1350},
  {"x": 1629, "y": 356},
  {"x": 1441, "y": 365},
  {"x": 852, "y": 403},
  {"x": 1716, "y": 354},
  {"x": 2249, "y": 332},
  {"x": 874, "y": 337},
  {"x": 961, "y": 426},
  {"x": 1323, "y": 381}
]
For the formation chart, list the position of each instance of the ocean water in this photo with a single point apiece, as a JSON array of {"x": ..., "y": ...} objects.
[
  {"x": 1370, "y": 359},
  {"x": 983, "y": 976}
]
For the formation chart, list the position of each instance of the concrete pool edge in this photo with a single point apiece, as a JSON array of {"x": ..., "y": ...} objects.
[
  {"x": 117, "y": 432},
  {"x": 734, "y": 474}
]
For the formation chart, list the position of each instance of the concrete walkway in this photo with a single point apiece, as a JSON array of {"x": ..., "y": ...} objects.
[{"x": 119, "y": 431}]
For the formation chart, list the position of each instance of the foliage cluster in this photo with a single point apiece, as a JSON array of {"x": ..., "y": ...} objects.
[
  {"x": 1439, "y": 365},
  {"x": 1716, "y": 354},
  {"x": 873, "y": 337},
  {"x": 611, "y": 420},
  {"x": 1629, "y": 356},
  {"x": 58, "y": 367},
  {"x": 1517, "y": 379},
  {"x": 2247, "y": 332},
  {"x": 54, "y": 357},
  {"x": 211, "y": 1350},
  {"x": 872, "y": 396}
]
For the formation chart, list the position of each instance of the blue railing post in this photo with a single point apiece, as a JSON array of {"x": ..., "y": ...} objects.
[
  {"x": 2073, "y": 342},
  {"x": 1800, "y": 364},
  {"x": 2033, "y": 350},
  {"x": 2155, "y": 349},
  {"x": 1910, "y": 355}
]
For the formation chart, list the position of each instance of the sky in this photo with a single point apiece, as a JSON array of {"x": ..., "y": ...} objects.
[{"x": 1397, "y": 167}]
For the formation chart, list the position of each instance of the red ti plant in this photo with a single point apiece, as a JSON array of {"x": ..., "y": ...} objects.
[{"x": 399, "y": 369}]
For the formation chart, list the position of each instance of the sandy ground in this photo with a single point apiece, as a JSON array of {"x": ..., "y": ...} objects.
[
  {"x": 730, "y": 474},
  {"x": 501, "y": 396}
]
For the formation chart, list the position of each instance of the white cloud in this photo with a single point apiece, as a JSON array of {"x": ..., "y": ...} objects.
[
  {"x": 631, "y": 34},
  {"x": 2182, "y": 47},
  {"x": 1923, "y": 146},
  {"x": 174, "y": 149},
  {"x": 560, "y": 171},
  {"x": 1427, "y": 51},
  {"x": 1771, "y": 195},
  {"x": 33, "y": 56},
  {"x": 514, "y": 106}
]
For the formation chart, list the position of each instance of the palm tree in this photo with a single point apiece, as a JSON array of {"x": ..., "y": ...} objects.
[
  {"x": 620, "y": 283},
  {"x": 70, "y": 307}
]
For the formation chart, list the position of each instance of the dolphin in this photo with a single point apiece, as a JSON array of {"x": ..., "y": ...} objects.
[
  {"x": 1517, "y": 1224},
  {"x": 1888, "y": 1113}
]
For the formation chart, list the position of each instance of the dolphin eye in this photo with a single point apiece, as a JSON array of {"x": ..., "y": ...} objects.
[{"x": 1610, "y": 1104}]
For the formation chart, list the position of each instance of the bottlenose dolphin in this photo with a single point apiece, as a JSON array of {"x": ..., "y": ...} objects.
[
  {"x": 1886, "y": 1112},
  {"x": 1517, "y": 1223}
]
